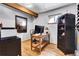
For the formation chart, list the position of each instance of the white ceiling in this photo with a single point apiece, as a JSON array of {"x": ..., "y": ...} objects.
[{"x": 43, "y": 7}]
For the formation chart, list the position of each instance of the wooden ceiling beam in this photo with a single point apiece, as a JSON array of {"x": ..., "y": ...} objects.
[{"x": 21, "y": 8}]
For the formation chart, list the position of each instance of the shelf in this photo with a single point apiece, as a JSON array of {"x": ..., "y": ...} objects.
[
  {"x": 43, "y": 44},
  {"x": 35, "y": 45},
  {"x": 38, "y": 44},
  {"x": 37, "y": 36},
  {"x": 61, "y": 24},
  {"x": 62, "y": 29}
]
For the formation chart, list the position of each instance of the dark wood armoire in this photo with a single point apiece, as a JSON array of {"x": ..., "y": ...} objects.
[{"x": 66, "y": 33}]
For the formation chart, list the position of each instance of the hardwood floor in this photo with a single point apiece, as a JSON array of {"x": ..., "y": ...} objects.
[{"x": 49, "y": 50}]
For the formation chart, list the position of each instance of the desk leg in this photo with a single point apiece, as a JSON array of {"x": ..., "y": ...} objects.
[
  {"x": 40, "y": 45},
  {"x": 31, "y": 43}
]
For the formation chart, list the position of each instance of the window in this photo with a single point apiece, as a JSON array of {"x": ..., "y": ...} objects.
[{"x": 53, "y": 18}]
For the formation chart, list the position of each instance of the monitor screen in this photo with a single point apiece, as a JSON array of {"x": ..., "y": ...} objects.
[{"x": 39, "y": 29}]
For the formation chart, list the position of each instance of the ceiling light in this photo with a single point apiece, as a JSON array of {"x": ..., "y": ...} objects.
[{"x": 30, "y": 6}]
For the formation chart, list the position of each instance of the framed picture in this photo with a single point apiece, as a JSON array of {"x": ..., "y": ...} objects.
[{"x": 21, "y": 24}]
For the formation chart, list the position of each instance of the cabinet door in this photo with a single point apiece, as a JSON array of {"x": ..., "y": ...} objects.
[
  {"x": 70, "y": 20},
  {"x": 2, "y": 47},
  {"x": 70, "y": 41},
  {"x": 61, "y": 43},
  {"x": 11, "y": 47}
]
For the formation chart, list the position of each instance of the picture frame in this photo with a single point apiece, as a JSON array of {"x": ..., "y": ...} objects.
[{"x": 21, "y": 24}]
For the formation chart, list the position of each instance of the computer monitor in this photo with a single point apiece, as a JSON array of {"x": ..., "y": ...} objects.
[{"x": 39, "y": 29}]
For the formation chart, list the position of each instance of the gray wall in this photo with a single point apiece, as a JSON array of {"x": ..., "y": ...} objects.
[
  {"x": 7, "y": 16},
  {"x": 43, "y": 20}
]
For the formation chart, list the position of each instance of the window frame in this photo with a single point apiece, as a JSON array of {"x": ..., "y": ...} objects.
[{"x": 55, "y": 20}]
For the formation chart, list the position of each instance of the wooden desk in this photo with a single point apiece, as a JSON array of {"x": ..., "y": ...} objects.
[{"x": 41, "y": 43}]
